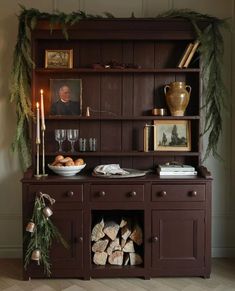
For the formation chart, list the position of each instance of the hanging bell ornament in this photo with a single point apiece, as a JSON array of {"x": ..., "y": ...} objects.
[
  {"x": 30, "y": 227},
  {"x": 47, "y": 211},
  {"x": 36, "y": 255}
]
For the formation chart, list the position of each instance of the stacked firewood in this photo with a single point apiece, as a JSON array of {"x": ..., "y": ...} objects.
[{"x": 116, "y": 243}]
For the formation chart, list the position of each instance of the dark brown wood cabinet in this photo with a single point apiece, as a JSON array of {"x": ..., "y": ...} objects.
[{"x": 174, "y": 212}]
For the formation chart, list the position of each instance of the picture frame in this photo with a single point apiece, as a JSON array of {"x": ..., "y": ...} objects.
[
  {"x": 172, "y": 135},
  {"x": 59, "y": 59},
  {"x": 65, "y": 97}
]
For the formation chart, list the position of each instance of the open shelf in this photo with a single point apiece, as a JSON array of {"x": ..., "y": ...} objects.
[
  {"x": 144, "y": 70},
  {"x": 119, "y": 118},
  {"x": 125, "y": 154}
]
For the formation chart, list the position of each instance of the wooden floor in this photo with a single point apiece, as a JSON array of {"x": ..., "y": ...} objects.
[{"x": 222, "y": 279}]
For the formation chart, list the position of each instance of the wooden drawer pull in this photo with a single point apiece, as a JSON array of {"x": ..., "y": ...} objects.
[
  {"x": 162, "y": 193},
  {"x": 133, "y": 194},
  {"x": 70, "y": 193},
  {"x": 194, "y": 193},
  {"x": 102, "y": 193},
  {"x": 155, "y": 239}
]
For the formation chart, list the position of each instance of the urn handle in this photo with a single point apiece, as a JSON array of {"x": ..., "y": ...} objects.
[
  {"x": 167, "y": 87},
  {"x": 188, "y": 88}
]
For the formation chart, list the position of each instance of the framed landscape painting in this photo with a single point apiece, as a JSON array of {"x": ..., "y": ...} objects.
[{"x": 172, "y": 135}]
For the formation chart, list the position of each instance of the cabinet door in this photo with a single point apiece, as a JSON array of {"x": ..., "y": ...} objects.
[
  {"x": 177, "y": 239},
  {"x": 69, "y": 223}
]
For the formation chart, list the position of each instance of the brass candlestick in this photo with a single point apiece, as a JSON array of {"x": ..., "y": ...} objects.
[
  {"x": 37, "y": 169},
  {"x": 43, "y": 151}
]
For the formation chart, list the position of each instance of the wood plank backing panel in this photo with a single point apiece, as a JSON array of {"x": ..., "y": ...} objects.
[
  {"x": 111, "y": 51},
  {"x": 91, "y": 94},
  {"x": 143, "y": 94},
  {"x": 90, "y": 52},
  {"x": 144, "y": 53},
  {"x": 110, "y": 138}
]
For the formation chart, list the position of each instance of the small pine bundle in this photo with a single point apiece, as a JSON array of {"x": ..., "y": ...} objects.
[{"x": 40, "y": 233}]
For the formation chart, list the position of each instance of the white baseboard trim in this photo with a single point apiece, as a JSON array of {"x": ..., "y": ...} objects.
[
  {"x": 10, "y": 252},
  {"x": 223, "y": 252}
]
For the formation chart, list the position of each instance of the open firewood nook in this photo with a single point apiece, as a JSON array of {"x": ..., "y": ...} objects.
[{"x": 135, "y": 227}]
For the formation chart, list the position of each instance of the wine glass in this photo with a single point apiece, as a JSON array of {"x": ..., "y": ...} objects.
[
  {"x": 72, "y": 136},
  {"x": 60, "y": 136}
]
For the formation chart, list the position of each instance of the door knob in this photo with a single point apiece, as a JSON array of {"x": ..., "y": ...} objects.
[
  {"x": 70, "y": 193},
  {"x": 155, "y": 239},
  {"x": 102, "y": 193}
]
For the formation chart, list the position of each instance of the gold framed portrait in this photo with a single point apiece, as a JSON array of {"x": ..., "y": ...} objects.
[
  {"x": 59, "y": 59},
  {"x": 172, "y": 135}
]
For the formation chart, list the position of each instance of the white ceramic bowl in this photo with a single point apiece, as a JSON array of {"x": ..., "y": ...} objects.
[{"x": 67, "y": 170}]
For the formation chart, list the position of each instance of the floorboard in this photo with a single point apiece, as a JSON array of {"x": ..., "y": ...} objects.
[{"x": 222, "y": 279}]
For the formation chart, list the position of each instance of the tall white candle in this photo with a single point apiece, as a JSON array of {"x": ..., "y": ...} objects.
[
  {"x": 38, "y": 125},
  {"x": 42, "y": 111}
]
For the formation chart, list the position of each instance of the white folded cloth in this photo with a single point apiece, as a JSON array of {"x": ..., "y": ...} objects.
[{"x": 110, "y": 169}]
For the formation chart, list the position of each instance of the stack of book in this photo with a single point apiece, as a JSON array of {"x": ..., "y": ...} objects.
[
  {"x": 176, "y": 170},
  {"x": 188, "y": 54}
]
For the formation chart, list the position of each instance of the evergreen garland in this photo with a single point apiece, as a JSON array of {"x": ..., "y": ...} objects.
[
  {"x": 211, "y": 50},
  {"x": 42, "y": 237}
]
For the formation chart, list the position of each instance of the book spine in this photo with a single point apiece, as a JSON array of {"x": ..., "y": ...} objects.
[
  {"x": 190, "y": 56},
  {"x": 185, "y": 55},
  {"x": 146, "y": 138}
]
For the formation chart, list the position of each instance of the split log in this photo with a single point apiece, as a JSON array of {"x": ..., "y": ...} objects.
[
  {"x": 135, "y": 259},
  {"x": 97, "y": 231},
  {"x": 126, "y": 232},
  {"x": 123, "y": 242},
  {"x": 100, "y": 258},
  {"x": 116, "y": 258},
  {"x": 137, "y": 235},
  {"x": 100, "y": 245},
  {"x": 129, "y": 247},
  {"x": 111, "y": 229},
  {"x": 113, "y": 246},
  {"x": 123, "y": 223},
  {"x": 126, "y": 259}
]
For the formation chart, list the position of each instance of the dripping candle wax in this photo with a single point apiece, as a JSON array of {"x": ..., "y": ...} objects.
[{"x": 42, "y": 111}]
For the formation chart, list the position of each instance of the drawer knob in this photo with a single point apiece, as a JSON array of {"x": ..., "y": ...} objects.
[
  {"x": 162, "y": 193},
  {"x": 102, "y": 193},
  {"x": 70, "y": 193},
  {"x": 194, "y": 193},
  {"x": 133, "y": 193},
  {"x": 81, "y": 239},
  {"x": 155, "y": 239}
]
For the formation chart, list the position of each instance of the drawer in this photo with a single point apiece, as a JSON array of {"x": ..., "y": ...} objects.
[
  {"x": 117, "y": 193},
  {"x": 168, "y": 192},
  {"x": 61, "y": 193}
]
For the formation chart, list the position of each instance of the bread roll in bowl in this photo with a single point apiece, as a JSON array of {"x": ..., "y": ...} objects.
[
  {"x": 79, "y": 162},
  {"x": 69, "y": 163},
  {"x": 65, "y": 160},
  {"x": 59, "y": 158}
]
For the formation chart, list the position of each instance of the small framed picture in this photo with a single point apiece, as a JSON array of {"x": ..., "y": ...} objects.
[
  {"x": 172, "y": 135},
  {"x": 59, "y": 59},
  {"x": 65, "y": 96}
]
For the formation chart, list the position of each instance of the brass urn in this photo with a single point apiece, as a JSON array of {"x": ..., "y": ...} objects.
[{"x": 177, "y": 97}]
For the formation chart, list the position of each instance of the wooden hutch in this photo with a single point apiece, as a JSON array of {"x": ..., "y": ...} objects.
[{"x": 175, "y": 213}]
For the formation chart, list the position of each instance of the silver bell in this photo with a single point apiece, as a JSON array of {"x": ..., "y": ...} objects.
[
  {"x": 47, "y": 212},
  {"x": 30, "y": 227}
]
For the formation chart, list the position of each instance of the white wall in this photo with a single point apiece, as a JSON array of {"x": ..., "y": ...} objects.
[{"x": 10, "y": 173}]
